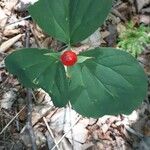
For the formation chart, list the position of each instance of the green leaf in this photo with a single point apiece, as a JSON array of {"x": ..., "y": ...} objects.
[
  {"x": 70, "y": 21},
  {"x": 60, "y": 87},
  {"x": 39, "y": 68},
  {"x": 104, "y": 81},
  {"x": 112, "y": 82},
  {"x": 81, "y": 59}
]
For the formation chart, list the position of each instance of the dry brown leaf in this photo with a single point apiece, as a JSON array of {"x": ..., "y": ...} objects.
[
  {"x": 146, "y": 128},
  {"x": 8, "y": 99},
  {"x": 10, "y": 32},
  {"x": 105, "y": 127},
  {"x": 105, "y": 136},
  {"x": 10, "y": 4},
  {"x": 79, "y": 129},
  {"x": 82, "y": 48},
  {"x": 94, "y": 40},
  {"x": 37, "y": 32},
  {"x": 121, "y": 28},
  {"x": 46, "y": 43},
  {"x": 145, "y": 19},
  {"x": 3, "y": 18},
  {"x": 39, "y": 112},
  {"x": 104, "y": 34},
  {"x": 141, "y": 3},
  {"x": 7, "y": 44}
]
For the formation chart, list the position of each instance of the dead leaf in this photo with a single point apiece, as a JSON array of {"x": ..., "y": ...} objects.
[
  {"x": 141, "y": 3},
  {"x": 8, "y": 99},
  {"x": 3, "y": 18},
  {"x": 7, "y": 44},
  {"x": 145, "y": 19},
  {"x": 10, "y": 32}
]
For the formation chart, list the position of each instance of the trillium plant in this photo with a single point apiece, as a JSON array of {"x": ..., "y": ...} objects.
[{"x": 96, "y": 82}]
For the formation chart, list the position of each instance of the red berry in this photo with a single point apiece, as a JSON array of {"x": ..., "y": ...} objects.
[{"x": 68, "y": 58}]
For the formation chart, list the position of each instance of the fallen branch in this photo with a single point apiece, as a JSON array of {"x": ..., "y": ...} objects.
[
  {"x": 66, "y": 133},
  {"x": 29, "y": 119},
  {"x": 29, "y": 101},
  {"x": 50, "y": 132}
]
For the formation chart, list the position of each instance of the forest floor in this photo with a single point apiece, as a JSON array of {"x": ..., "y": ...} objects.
[{"x": 63, "y": 125}]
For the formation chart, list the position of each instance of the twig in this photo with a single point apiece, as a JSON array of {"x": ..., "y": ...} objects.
[
  {"x": 17, "y": 122},
  {"x": 70, "y": 116},
  {"x": 12, "y": 120},
  {"x": 19, "y": 20},
  {"x": 27, "y": 36},
  {"x": 29, "y": 119},
  {"x": 51, "y": 133},
  {"x": 50, "y": 142},
  {"x": 66, "y": 133},
  {"x": 29, "y": 102}
]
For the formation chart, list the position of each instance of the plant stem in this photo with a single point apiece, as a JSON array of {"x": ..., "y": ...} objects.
[{"x": 29, "y": 100}]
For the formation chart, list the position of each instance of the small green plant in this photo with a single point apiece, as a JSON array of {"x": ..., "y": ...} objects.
[
  {"x": 96, "y": 82},
  {"x": 133, "y": 39}
]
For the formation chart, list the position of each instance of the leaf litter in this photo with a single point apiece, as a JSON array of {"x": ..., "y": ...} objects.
[{"x": 64, "y": 125}]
